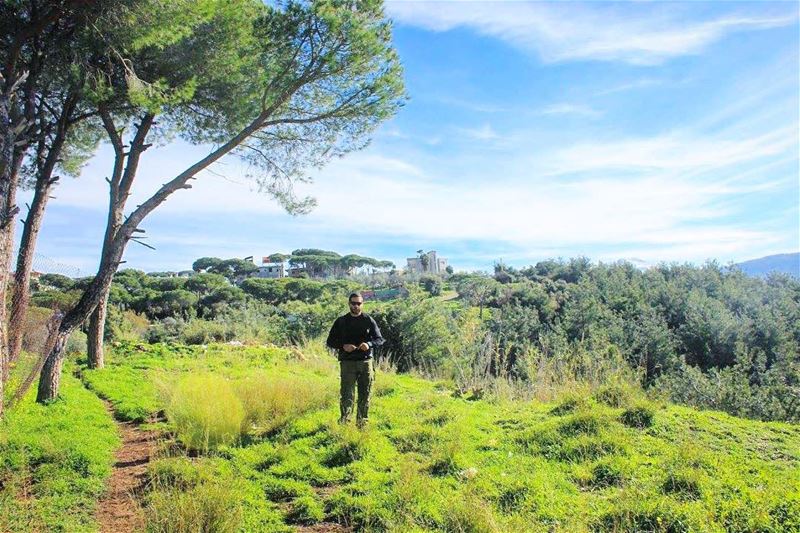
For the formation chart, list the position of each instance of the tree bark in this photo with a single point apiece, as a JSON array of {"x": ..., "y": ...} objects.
[
  {"x": 22, "y": 276},
  {"x": 47, "y": 159},
  {"x": 49, "y": 381},
  {"x": 50, "y": 378},
  {"x": 94, "y": 341}
]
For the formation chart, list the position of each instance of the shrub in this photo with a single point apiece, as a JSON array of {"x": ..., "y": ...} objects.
[
  {"x": 205, "y": 332},
  {"x": 76, "y": 344},
  {"x": 205, "y": 507},
  {"x": 613, "y": 395},
  {"x": 581, "y": 424},
  {"x": 270, "y": 402},
  {"x": 431, "y": 284},
  {"x": 305, "y": 510},
  {"x": 607, "y": 473},
  {"x": 639, "y": 416},
  {"x": 569, "y": 403},
  {"x": 206, "y": 412}
]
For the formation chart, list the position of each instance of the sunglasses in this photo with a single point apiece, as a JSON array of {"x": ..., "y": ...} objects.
[{"x": 356, "y": 303}]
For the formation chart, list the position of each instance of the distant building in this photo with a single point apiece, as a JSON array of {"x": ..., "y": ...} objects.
[
  {"x": 270, "y": 270},
  {"x": 435, "y": 264}
]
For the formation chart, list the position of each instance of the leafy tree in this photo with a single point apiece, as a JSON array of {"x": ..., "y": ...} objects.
[
  {"x": 282, "y": 86},
  {"x": 271, "y": 291},
  {"x": 220, "y": 299},
  {"x": 56, "y": 281},
  {"x": 205, "y": 283},
  {"x": 207, "y": 264},
  {"x": 431, "y": 284},
  {"x": 37, "y": 108}
]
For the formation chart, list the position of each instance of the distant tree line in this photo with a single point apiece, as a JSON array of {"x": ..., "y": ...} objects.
[
  {"x": 685, "y": 327},
  {"x": 320, "y": 263}
]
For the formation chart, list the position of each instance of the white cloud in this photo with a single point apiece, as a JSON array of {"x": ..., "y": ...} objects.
[
  {"x": 670, "y": 152},
  {"x": 570, "y": 109},
  {"x": 672, "y": 185},
  {"x": 636, "y": 34},
  {"x": 482, "y": 133},
  {"x": 631, "y": 85}
]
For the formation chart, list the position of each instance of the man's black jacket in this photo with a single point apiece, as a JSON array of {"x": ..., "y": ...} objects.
[{"x": 349, "y": 329}]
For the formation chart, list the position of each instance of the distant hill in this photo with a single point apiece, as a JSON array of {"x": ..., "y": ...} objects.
[{"x": 784, "y": 263}]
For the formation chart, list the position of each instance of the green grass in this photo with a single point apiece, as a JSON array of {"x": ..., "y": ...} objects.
[
  {"x": 430, "y": 461},
  {"x": 54, "y": 460}
]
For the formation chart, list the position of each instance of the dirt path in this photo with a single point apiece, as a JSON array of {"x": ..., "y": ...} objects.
[{"x": 118, "y": 511}]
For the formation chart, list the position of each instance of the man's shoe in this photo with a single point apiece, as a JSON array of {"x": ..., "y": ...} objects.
[{"x": 361, "y": 424}]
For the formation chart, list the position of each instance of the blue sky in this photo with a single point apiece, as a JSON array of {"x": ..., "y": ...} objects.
[{"x": 643, "y": 131}]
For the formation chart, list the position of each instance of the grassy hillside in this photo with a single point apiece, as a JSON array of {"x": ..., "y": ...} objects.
[
  {"x": 54, "y": 461},
  {"x": 270, "y": 457}
]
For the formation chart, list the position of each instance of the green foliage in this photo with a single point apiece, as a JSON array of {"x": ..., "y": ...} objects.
[
  {"x": 431, "y": 284},
  {"x": 270, "y": 402},
  {"x": 434, "y": 462},
  {"x": 205, "y": 412},
  {"x": 305, "y": 510},
  {"x": 639, "y": 416},
  {"x": 134, "y": 398},
  {"x": 705, "y": 337},
  {"x": 203, "y": 507},
  {"x": 54, "y": 460}
]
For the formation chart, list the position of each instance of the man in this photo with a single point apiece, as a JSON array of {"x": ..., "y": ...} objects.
[{"x": 354, "y": 335}]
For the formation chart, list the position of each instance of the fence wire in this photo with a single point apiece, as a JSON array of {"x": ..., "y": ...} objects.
[{"x": 38, "y": 328}]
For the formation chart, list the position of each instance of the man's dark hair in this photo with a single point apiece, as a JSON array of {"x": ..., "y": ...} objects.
[{"x": 354, "y": 294}]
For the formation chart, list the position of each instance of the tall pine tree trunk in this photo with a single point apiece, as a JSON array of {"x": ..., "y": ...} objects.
[
  {"x": 51, "y": 371},
  {"x": 22, "y": 276},
  {"x": 50, "y": 378},
  {"x": 94, "y": 341},
  {"x": 47, "y": 157}
]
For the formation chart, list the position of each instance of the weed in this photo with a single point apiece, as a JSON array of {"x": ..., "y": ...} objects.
[
  {"x": 639, "y": 416},
  {"x": 205, "y": 507},
  {"x": 607, "y": 473},
  {"x": 683, "y": 483},
  {"x": 305, "y": 510},
  {"x": 569, "y": 403},
  {"x": 206, "y": 413},
  {"x": 613, "y": 395},
  {"x": 581, "y": 424}
]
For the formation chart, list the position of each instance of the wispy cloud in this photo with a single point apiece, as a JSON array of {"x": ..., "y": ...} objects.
[
  {"x": 642, "y": 83},
  {"x": 482, "y": 133},
  {"x": 670, "y": 152},
  {"x": 570, "y": 109},
  {"x": 636, "y": 34}
]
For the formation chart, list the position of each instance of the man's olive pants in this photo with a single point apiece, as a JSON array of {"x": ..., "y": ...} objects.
[{"x": 354, "y": 373}]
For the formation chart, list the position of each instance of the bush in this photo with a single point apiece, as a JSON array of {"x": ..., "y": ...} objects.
[
  {"x": 205, "y": 507},
  {"x": 206, "y": 412},
  {"x": 125, "y": 325},
  {"x": 431, "y": 284},
  {"x": 305, "y": 510},
  {"x": 613, "y": 395},
  {"x": 639, "y": 416},
  {"x": 205, "y": 332},
  {"x": 76, "y": 344},
  {"x": 270, "y": 402}
]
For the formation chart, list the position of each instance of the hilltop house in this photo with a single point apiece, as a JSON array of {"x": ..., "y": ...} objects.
[
  {"x": 270, "y": 269},
  {"x": 433, "y": 264}
]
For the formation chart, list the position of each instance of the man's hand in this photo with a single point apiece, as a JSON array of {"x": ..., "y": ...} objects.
[
  {"x": 349, "y": 348},
  {"x": 364, "y": 347}
]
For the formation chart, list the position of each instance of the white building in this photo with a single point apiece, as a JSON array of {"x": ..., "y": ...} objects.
[
  {"x": 271, "y": 270},
  {"x": 435, "y": 264}
]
